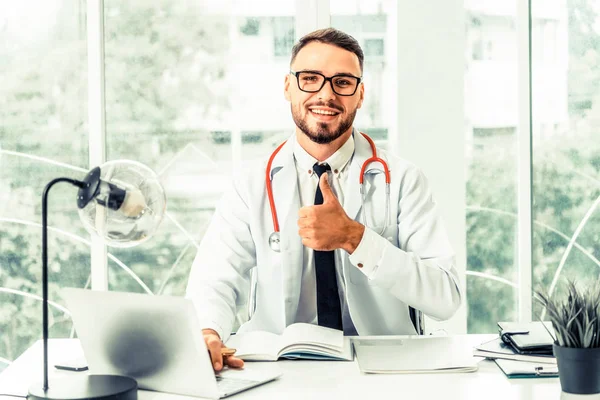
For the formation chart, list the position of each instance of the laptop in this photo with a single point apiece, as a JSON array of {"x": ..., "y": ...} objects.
[{"x": 157, "y": 340}]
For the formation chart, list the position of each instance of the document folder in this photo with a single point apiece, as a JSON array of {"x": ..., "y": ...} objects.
[
  {"x": 527, "y": 338},
  {"x": 523, "y": 369}
]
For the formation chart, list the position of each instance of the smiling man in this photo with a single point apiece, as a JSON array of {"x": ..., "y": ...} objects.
[{"x": 335, "y": 239}]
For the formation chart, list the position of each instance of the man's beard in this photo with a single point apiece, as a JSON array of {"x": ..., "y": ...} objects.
[{"x": 322, "y": 134}]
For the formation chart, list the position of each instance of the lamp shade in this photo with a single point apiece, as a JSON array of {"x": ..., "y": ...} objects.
[{"x": 123, "y": 202}]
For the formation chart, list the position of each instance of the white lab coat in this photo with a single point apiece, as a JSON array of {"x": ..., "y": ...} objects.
[{"x": 415, "y": 267}]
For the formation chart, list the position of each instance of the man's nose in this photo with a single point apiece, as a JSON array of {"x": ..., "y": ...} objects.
[{"x": 326, "y": 92}]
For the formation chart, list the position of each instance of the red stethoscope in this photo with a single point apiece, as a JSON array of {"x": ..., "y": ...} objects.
[{"x": 274, "y": 238}]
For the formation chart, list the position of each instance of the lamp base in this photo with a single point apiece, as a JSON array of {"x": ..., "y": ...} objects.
[{"x": 96, "y": 387}]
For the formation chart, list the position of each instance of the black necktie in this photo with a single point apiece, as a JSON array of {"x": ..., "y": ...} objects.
[{"x": 329, "y": 312}]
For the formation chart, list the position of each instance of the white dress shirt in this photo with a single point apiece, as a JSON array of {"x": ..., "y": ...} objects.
[{"x": 307, "y": 184}]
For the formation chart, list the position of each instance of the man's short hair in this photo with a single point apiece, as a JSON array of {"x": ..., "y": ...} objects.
[{"x": 333, "y": 37}]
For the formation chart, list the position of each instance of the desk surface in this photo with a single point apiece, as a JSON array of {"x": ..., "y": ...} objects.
[{"x": 323, "y": 380}]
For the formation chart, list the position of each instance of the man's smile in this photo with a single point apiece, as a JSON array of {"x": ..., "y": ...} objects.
[{"x": 323, "y": 114}]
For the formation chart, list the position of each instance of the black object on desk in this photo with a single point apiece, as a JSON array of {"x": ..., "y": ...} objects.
[
  {"x": 74, "y": 364},
  {"x": 527, "y": 338},
  {"x": 523, "y": 369},
  {"x": 496, "y": 348}
]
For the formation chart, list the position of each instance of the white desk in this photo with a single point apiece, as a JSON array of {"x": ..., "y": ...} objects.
[{"x": 324, "y": 380}]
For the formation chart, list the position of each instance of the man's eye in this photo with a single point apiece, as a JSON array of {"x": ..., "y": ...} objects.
[
  {"x": 342, "y": 82},
  {"x": 309, "y": 78}
]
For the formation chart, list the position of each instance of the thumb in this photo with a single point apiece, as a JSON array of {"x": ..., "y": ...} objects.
[{"x": 328, "y": 195}]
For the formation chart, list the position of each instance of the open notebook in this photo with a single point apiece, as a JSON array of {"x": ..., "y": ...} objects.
[{"x": 297, "y": 341}]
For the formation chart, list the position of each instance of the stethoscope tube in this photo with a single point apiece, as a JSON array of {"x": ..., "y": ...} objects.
[
  {"x": 363, "y": 193},
  {"x": 275, "y": 237}
]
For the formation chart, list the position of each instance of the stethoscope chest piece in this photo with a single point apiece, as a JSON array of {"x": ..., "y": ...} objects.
[{"x": 275, "y": 242}]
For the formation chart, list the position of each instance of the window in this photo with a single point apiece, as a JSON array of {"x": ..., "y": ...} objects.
[
  {"x": 373, "y": 47},
  {"x": 179, "y": 100},
  {"x": 283, "y": 36},
  {"x": 171, "y": 68},
  {"x": 43, "y": 135},
  {"x": 565, "y": 185},
  {"x": 566, "y": 156},
  {"x": 251, "y": 27},
  {"x": 491, "y": 202},
  {"x": 545, "y": 36},
  {"x": 370, "y": 27}
]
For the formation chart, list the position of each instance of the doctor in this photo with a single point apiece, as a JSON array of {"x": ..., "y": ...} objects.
[{"x": 339, "y": 262}]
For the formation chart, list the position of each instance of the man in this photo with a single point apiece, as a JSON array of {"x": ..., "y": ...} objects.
[{"x": 341, "y": 263}]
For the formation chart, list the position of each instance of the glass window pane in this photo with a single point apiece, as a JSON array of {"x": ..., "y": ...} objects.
[
  {"x": 43, "y": 135},
  {"x": 372, "y": 24},
  {"x": 566, "y": 128},
  {"x": 193, "y": 88},
  {"x": 491, "y": 121}
]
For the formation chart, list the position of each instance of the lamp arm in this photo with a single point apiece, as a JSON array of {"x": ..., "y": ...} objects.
[{"x": 73, "y": 182}]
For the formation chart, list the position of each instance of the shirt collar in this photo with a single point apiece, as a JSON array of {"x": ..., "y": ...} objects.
[{"x": 337, "y": 161}]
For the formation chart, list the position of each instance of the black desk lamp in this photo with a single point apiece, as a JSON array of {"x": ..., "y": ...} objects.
[{"x": 128, "y": 205}]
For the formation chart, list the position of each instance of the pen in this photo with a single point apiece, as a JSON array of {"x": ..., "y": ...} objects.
[
  {"x": 225, "y": 352},
  {"x": 540, "y": 371}
]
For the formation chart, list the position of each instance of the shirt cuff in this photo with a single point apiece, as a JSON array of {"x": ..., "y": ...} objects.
[
  {"x": 217, "y": 328},
  {"x": 368, "y": 253}
]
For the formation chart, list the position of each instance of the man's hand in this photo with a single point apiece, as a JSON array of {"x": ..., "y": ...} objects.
[
  {"x": 327, "y": 226},
  {"x": 214, "y": 346}
]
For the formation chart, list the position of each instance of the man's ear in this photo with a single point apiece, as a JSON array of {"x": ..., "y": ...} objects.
[
  {"x": 286, "y": 88},
  {"x": 361, "y": 95}
]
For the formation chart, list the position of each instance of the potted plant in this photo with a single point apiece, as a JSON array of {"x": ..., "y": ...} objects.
[{"x": 576, "y": 323}]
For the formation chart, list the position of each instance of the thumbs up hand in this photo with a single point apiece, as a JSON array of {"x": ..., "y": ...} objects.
[
  {"x": 328, "y": 195},
  {"x": 327, "y": 226}
]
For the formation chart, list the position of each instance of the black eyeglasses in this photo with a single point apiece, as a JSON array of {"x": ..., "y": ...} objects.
[{"x": 341, "y": 84}]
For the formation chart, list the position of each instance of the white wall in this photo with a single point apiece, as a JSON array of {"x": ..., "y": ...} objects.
[{"x": 430, "y": 115}]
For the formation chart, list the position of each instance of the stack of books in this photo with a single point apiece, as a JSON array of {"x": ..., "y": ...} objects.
[{"x": 522, "y": 350}]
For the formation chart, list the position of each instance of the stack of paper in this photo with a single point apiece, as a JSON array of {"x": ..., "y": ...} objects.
[
  {"x": 416, "y": 354},
  {"x": 498, "y": 349}
]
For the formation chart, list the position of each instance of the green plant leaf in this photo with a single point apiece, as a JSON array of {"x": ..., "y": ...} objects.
[
  {"x": 588, "y": 336},
  {"x": 575, "y": 316}
]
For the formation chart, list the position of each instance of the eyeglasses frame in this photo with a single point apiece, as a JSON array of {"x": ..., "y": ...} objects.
[{"x": 325, "y": 79}]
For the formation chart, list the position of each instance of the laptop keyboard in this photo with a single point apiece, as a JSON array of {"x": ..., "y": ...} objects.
[{"x": 229, "y": 386}]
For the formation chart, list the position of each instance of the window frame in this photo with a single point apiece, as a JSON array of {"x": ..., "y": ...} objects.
[
  {"x": 524, "y": 163},
  {"x": 97, "y": 125}
]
